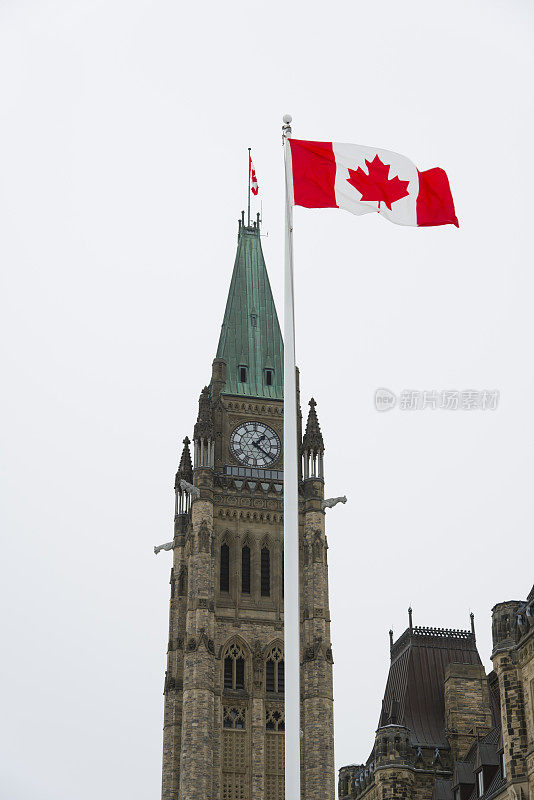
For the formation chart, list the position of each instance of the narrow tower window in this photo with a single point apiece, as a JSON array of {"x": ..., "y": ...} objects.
[
  {"x": 228, "y": 672},
  {"x": 269, "y": 377},
  {"x": 234, "y": 668},
  {"x": 224, "y": 577},
  {"x": 245, "y": 570},
  {"x": 242, "y": 371},
  {"x": 265, "y": 572},
  {"x": 274, "y": 671}
]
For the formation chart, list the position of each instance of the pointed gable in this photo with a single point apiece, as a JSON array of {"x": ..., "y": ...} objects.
[{"x": 250, "y": 335}]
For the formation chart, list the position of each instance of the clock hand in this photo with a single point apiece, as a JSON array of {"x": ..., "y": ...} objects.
[{"x": 256, "y": 445}]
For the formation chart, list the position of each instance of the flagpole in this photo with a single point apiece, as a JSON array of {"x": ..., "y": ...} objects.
[
  {"x": 249, "y": 165},
  {"x": 291, "y": 531}
]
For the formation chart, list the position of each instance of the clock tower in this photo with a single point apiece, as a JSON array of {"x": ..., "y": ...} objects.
[{"x": 223, "y": 733}]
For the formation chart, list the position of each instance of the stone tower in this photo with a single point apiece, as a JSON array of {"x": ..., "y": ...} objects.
[{"x": 224, "y": 686}]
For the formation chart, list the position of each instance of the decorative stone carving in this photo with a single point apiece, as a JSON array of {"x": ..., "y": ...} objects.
[
  {"x": 204, "y": 537},
  {"x": 166, "y": 546},
  {"x": 194, "y": 491},
  {"x": 257, "y": 664},
  {"x": 317, "y": 548},
  {"x": 204, "y": 640},
  {"x": 333, "y": 501}
]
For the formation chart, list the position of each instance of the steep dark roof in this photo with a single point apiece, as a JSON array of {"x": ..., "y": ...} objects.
[
  {"x": 414, "y": 694},
  {"x": 442, "y": 789}
]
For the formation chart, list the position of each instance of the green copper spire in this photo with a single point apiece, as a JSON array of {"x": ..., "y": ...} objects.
[{"x": 251, "y": 341}]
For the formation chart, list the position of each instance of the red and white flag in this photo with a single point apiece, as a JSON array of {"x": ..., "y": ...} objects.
[
  {"x": 253, "y": 180},
  {"x": 363, "y": 180}
]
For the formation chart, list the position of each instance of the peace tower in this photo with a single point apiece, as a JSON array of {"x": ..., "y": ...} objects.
[{"x": 224, "y": 685}]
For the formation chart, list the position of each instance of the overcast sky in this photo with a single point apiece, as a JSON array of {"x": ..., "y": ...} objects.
[{"x": 124, "y": 127}]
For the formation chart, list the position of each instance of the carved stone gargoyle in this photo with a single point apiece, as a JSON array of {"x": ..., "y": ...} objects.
[
  {"x": 194, "y": 491},
  {"x": 166, "y": 546},
  {"x": 333, "y": 501}
]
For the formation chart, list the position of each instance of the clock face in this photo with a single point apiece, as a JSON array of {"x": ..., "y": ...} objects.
[{"x": 255, "y": 444}]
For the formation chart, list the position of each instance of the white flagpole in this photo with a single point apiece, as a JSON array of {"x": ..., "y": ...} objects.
[{"x": 291, "y": 527}]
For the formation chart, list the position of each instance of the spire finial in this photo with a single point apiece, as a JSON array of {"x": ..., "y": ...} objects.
[
  {"x": 410, "y": 623},
  {"x": 472, "y": 622},
  {"x": 390, "y": 639},
  {"x": 313, "y": 438},
  {"x": 185, "y": 468}
]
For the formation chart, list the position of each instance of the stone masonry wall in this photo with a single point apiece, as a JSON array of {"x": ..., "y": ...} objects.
[
  {"x": 467, "y": 706},
  {"x": 317, "y": 685}
]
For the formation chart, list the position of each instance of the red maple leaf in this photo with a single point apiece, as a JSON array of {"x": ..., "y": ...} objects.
[{"x": 376, "y": 185}]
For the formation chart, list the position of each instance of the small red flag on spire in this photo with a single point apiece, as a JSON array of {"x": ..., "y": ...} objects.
[{"x": 253, "y": 180}]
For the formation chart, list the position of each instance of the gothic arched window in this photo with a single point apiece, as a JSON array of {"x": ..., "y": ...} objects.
[
  {"x": 245, "y": 570},
  {"x": 274, "y": 670},
  {"x": 224, "y": 574},
  {"x": 234, "y": 667},
  {"x": 265, "y": 569}
]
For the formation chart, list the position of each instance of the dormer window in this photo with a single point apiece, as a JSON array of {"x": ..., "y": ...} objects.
[
  {"x": 242, "y": 371},
  {"x": 269, "y": 377},
  {"x": 254, "y": 320},
  {"x": 480, "y": 783}
]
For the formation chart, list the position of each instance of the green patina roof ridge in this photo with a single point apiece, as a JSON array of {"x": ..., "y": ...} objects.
[{"x": 242, "y": 343}]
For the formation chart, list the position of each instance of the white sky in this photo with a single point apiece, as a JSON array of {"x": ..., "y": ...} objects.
[{"x": 123, "y": 135}]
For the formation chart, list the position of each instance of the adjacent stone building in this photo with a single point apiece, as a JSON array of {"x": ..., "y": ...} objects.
[
  {"x": 224, "y": 686},
  {"x": 448, "y": 731}
]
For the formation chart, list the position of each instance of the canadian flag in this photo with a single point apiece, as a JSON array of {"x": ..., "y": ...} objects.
[
  {"x": 253, "y": 180},
  {"x": 367, "y": 179}
]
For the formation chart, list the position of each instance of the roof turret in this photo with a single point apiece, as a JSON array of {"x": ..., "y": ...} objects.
[
  {"x": 185, "y": 468},
  {"x": 313, "y": 438}
]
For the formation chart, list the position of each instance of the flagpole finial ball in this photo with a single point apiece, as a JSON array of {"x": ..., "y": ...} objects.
[{"x": 287, "y": 118}]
